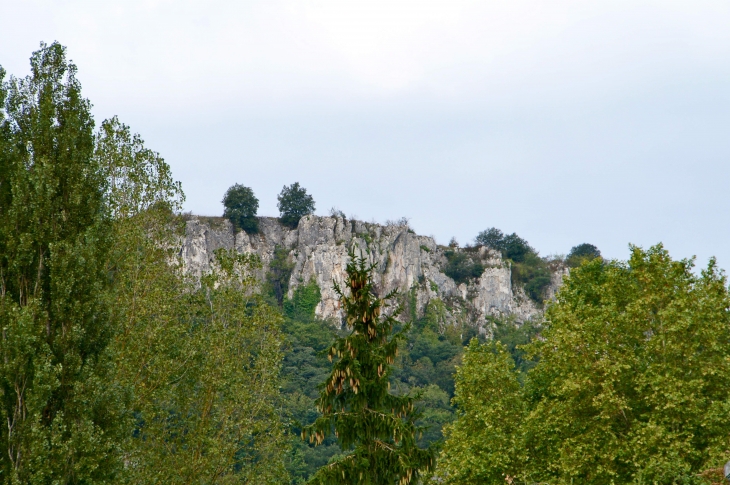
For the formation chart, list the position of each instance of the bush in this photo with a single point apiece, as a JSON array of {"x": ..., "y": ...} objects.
[
  {"x": 294, "y": 203},
  {"x": 241, "y": 206},
  {"x": 533, "y": 274},
  {"x": 304, "y": 301},
  {"x": 277, "y": 279},
  {"x": 581, "y": 253},
  {"x": 461, "y": 267},
  {"x": 511, "y": 246}
]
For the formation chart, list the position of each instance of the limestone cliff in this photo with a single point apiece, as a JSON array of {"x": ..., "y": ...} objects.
[{"x": 414, "y": 264}]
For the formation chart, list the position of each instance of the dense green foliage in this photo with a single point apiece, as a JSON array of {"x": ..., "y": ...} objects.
[
  {"x": 581, "y": 253},
  {"x": 424, "y": 368},
  {"x": 277, "y": 279},
  {"x": 116, "y": 368},
  {"x": 484, "y": 444},
  {"x": 241, "y": 206},
  {"x": 491, "y": 237},
  {"x": 294, "y": 203},
  {"x": 375, "y": 429},
  {"x": 62, "y": 422},
  {"x": 533, "y": 274},
  {"x": 461, "y": 267},
  {"x": 305, "y": 367},
  {"x": 511, "y": 246},
  {"x": 200, "y": 364},
  {"x": 631, "y": 385}
]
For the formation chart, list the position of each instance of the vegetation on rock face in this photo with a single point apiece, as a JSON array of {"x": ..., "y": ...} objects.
[
  {"x": 241, "y": 206},
  {"x": 375, "y": 429},
  {"x": 462, "y": 267},
  {"x": 511, "y": 246},
  {"x": 277, "y": 279},
  {"x": 631, "y": 385},
  {"x": 529, "y": 270},
  {"x": 294, "y": 203}
]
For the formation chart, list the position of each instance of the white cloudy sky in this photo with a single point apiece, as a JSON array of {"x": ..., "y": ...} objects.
[{"x": 565, "y": 121}]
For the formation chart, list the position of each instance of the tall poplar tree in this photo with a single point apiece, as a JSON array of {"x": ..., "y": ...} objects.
[
  {"x": 62, "y": 421},
  {"x": 375, "y": 428}
]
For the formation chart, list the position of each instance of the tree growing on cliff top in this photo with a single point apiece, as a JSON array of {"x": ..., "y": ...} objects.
[
  {"x": 581, "y": 253},
  {"x": 294, "y": 203},
  {"x": 241, "y": 206},
  {"x": 375, "y": 428}
]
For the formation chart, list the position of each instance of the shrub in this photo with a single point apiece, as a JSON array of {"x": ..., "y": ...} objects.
[
  {"x": 516, "y": 248},
  {"x": 280, "y": 270},
  {"x": 294, "y": 203},
  {"x": 304, "y": 301},
  {"x": 241, "y": 206},
  {"x": 335, "y": 212},
  {"x": 461, "y": 267},
  {"x": 533, "y": 274},
  {"x": 512, "y": 246}
]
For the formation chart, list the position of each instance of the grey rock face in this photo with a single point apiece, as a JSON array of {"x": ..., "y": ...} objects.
[{"x": 403, "y": 260}]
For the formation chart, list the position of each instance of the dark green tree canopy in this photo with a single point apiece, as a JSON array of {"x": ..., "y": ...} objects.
[
  {"x": 64, "y": 422},
  {"x": 580, "y": 253},
  {"x": 491, "y": 238},
  {"x": 294, "y": 203},
  {"x": 512, "y": 246},
  {"x": 241, "y": 206}
]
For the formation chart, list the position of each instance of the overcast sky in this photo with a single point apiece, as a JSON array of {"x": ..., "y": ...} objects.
[{"x": 605, "y": 122}]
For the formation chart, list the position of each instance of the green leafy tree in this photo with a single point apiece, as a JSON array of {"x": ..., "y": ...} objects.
[
  {"x": 303, "y": 302},
  {"x": 516, "y": 248},
  {"x": 375, "y": 428},
  {"x": 294, "y": 203},
  {"x": 634, "y": 376},
  {"x": 64, "y": 421},
  {"x": 512, "y": 246},
  {"x": 484, "y": 444},
  {"x": 631, "y": 385},
  {"x": 201, "y": 364},
  {"x": 241, "y": 206},
  {"x": 581, "y": 253},
  {"x": 491, "y": 238}
]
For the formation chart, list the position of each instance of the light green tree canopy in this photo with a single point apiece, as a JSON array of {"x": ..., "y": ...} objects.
[{"x": 632, "y": 383}]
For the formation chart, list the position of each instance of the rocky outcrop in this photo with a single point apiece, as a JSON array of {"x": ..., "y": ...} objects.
[{"x": 413, "y": 264}]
